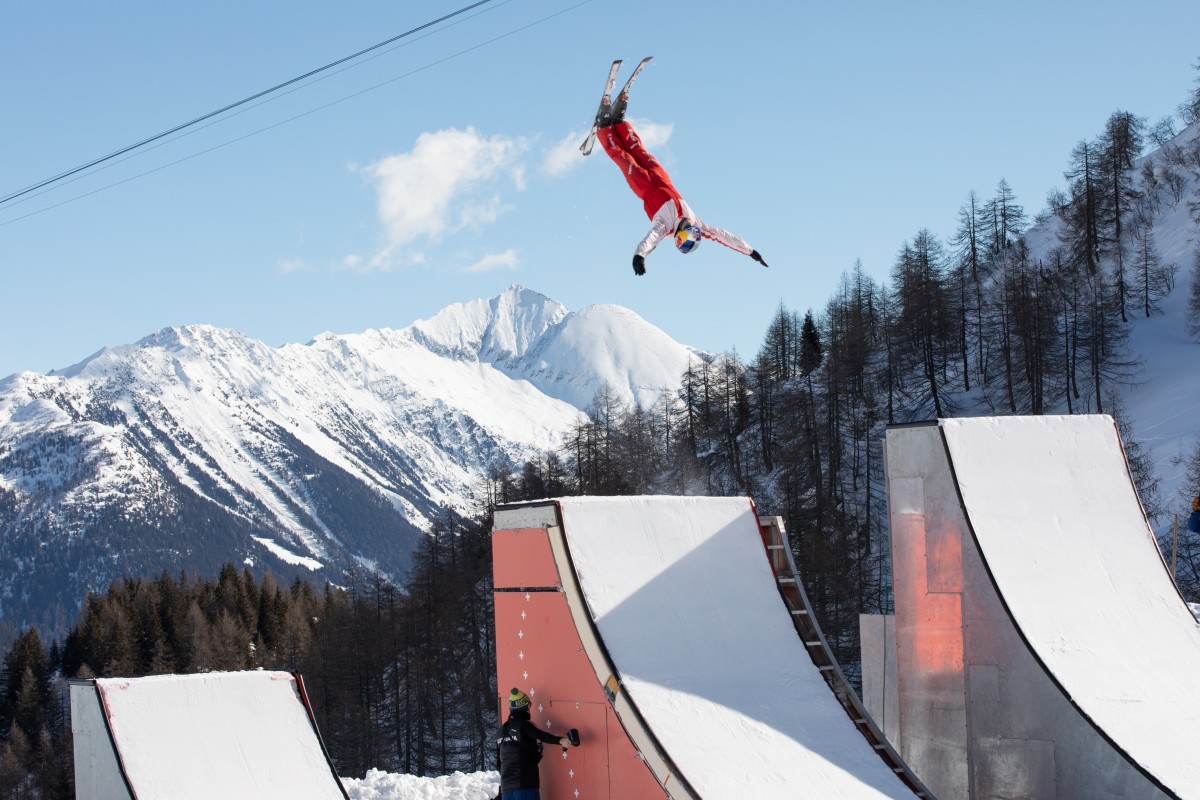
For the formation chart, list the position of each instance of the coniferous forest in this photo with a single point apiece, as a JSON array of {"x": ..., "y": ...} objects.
[{"x": 402, "y": 678}]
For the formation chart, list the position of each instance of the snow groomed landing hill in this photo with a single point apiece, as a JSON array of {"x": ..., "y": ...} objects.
[
  {"x": 179, "y": 737},
  {"x": 1042, "y": 648},
  {"x": 655, "y": 626}
]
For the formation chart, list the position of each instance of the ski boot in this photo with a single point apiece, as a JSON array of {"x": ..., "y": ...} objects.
[{"x": 613, "y": 113}]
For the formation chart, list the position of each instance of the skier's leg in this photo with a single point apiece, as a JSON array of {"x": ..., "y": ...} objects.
[
  {"x": 631, "y": 144},
  {"x": 635, "y": 175}
]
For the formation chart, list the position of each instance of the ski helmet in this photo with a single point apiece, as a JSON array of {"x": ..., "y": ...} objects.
[{"x": 687, "y": 236}]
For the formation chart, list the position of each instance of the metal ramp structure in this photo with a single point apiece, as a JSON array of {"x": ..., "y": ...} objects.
[
  {"x": 655, "y": 626},
  {"x": 234, "y": 735},
  {"x": 1039, "y": 647}
]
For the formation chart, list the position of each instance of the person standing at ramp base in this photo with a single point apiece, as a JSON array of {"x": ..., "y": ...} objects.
[{"x": 519, "y": 750}]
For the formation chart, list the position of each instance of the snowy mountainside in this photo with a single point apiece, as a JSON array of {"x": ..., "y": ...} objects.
[
  {"x": 197, "y": 445},
  {"x": 1163, "y": 405},
  {"x": 548, "y": 346}
]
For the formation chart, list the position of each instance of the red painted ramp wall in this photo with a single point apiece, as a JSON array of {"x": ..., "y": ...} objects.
[{"x": 539, "y": 651}]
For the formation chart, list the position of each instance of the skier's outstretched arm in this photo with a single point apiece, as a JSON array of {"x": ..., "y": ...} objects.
[
  {"x": 730, "y": 240},
  {"x": 646, "y": 246}
]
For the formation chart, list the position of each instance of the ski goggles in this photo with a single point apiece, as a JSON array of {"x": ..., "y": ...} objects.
[{"x": 687, "y": 238}]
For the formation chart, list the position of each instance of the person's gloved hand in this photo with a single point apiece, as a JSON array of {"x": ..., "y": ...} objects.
[
  {"x": 757, "y": 257},
  {"x": 639, "y": 265}
]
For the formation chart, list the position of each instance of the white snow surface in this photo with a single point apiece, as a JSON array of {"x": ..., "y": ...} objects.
[
  {"x": 232, "y": 734},
  {"x": 686, "y": 603},
  {"x": 418, "y": 414},
  {"x": 1060, "y": 526},
  {"x": 392, "y": 786}
]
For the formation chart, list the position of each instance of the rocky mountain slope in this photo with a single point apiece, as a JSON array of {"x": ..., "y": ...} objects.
[{"x": 197, "y": 446}]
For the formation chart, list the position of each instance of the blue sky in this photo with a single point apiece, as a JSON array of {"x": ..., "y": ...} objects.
[{"x": 443, "y": 170}]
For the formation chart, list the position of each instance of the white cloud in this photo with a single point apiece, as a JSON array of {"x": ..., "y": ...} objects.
[
  {"x": 495, "y": 261},
  {"x": 654, "y": 134},
  {"x": 564, "y": 156},
  {"x": 444, "y": 184},
  {"x": 290, "y": 265}
]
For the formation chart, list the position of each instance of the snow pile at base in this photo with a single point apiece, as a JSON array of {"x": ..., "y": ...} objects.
[{"x": 391, "y": 786}]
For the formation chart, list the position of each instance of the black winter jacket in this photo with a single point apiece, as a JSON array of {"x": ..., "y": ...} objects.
[{"x": 518, "y": 751}]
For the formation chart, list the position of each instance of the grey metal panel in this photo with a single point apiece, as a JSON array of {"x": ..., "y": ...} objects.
[
  {"x": 97, "y": 771},
  {"x": 1024, "y": 767},
  {"x": 881, "y": 696},
  {"x": 991, "y": 705},
  {"x": 931, "y": 681}
]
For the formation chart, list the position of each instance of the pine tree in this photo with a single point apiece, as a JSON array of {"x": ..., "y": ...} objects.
[
  {"x": 24, "y": 685},
  {"x": 780, "y": 351},
  {"x": 1162, "y": 132},
  {"x": 1068, "y": 290},
  {"x": 200, "y": 653},
  {"x": 1152, "y": 278},
  {"x": 1141, "y": 465},
  {"x": 1119, "y": 146},
  {"x": 1098, "y": 328},
  {"x": 1024, "y": 328},
  {"x": 967, "y": 273},
  {"x": 765, "y": 409},
  {"x": 1193, "y": 308},
  {"x": 1081, "y": 214},
  {"x": 811, "y": 352},
  {"x": 926, "y": 326},
  {"x": 1189, "y": 110},
  {"x": 1003, "y": 221}
]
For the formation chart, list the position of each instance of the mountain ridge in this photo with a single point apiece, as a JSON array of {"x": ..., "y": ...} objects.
[{"x": 198, "y": 445}]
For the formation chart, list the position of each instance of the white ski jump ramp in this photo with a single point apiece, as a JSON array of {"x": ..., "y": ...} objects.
[
  {"x": 1043, "y": 650},
  {"x": 717, "y": 692},
  {"x": 232, "y": 735}
]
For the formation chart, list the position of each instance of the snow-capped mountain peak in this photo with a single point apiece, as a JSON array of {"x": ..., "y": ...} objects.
[
  {"x": 494, "y": 330},
  {"x": 198, "y": 445}
]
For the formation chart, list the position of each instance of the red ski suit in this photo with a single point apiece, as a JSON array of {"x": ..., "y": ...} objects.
[{"x": 651, "y": 183}]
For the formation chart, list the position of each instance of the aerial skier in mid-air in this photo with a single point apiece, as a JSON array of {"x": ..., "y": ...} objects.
[{"x": 669, "y": 214}]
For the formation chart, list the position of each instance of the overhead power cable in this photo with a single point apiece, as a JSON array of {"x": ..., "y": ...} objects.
[
  {"x": 95, "y": 162},
  {"x": 272, "y": 126}
]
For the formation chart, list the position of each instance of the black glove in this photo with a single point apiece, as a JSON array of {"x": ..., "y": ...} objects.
[
  {"x": 755, "y": 255},
  {"x": 639, "y": 265}
]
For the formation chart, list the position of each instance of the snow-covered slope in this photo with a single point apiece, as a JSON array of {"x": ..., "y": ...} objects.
[
  {"x": 1163, "y": 406},
  {"x": 198, "y": 445}
]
